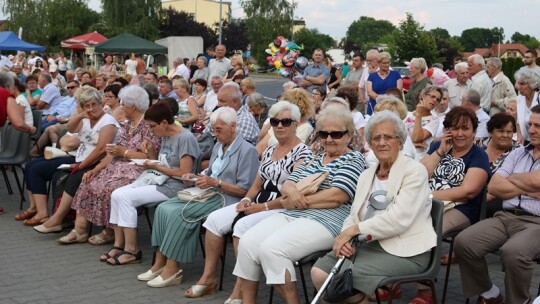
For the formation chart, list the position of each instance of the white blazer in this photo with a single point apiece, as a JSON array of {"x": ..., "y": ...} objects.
[{"x": 405, "y": 228}]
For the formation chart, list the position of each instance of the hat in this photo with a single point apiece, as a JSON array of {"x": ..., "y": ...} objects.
[{"x": 53, "y": 68}]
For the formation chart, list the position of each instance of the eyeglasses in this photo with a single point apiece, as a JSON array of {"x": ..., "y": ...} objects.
[
  {"x": 285, "y": 122},
  {"x": 333, "y": 134},
  {"x": 385, "y": 138},
  {"x": 434, "y": 97},
  {"x": 70, "y": 88}
]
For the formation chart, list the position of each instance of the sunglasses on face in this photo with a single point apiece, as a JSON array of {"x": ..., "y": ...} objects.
[
  {"x": 70, "y": 88},
  {"x": 333, "y": 134},
  {"x": 285, "y": 122}
]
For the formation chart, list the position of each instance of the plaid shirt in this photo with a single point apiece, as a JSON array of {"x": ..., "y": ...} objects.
[{"x": 521, "y": 161}]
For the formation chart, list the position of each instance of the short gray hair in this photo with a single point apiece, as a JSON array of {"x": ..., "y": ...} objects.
[
  {"x": 203, "y": 59},
  {"x": 496, "y": 62},
  {"x": 473, "y": 97},
  {"x": 256, "y": 99},
  {"x": 134, "y": 96},
  {"x": 87, "y": 93},
  {"x": 528, "y": 76},
  {"x": 478, "y": 59},
  {"x": 284, "y": 105},
  {"x": 419, "y": 63},
  {"x": 6, "y": 80},
  {"x": 289, "y": 85},
  {"x": 335, "y": 100},
  {"x": 233, "y": 89},
  {"x": 461, "y": 65},
  {"x": 385, "y": 116},
  {"x": 225, "y": 114},
  {"x": 336, "y": 113}
]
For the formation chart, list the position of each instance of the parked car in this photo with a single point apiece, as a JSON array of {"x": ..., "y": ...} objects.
[{"x": 405, "y": 76}]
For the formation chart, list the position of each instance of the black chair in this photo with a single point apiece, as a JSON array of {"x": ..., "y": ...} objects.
[
  {"x": 307, "y": 260},
  {"x": 450, "y": 237},
  {"x": 16, "y": 152},
  {"x": 428, "y": 276}
]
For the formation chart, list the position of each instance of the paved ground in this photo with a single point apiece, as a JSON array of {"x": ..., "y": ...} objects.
[{"x": 36, "y": 269}]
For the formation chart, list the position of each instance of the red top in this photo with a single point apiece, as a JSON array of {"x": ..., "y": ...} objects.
[{"x": 4, "y": 94}]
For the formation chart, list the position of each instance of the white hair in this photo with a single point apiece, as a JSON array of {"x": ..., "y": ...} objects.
[
  {"x": 225, "y": 114},
  {"x": 284, "y": 105},
  {"x": 478, "y": 59},
  {"x": 460, "y": 66},
  {"x": 134, "y": 96},
  {"x": 419, "y": 63},
  {"x": 384, "y": 116}
]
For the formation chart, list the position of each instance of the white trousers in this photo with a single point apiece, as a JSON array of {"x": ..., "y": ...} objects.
[
  {"x": 125, "y": 201},
  {"x": 220, "y": 221},
  {"x": 275, "y": 244}
]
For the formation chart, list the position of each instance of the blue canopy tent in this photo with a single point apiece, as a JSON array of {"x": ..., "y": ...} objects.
[{"x": 10, "y": 42}]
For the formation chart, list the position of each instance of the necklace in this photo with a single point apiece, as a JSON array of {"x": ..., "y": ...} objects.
[{"x": 133, "y": 127}]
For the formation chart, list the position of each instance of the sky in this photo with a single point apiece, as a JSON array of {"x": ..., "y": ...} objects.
[{"x": 333, "y": 17}]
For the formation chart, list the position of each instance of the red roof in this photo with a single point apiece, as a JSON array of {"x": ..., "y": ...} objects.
[
  {"x": 508, "y": 47},
  {"x": 83, "y": 41},
  {"x": 484, "y": 52}
]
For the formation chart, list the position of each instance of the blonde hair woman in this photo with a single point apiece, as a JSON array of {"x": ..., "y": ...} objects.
[{"x": 237, "y": 73}]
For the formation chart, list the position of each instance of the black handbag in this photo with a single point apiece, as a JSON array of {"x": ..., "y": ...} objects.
[{"x": 341, "y": 285}]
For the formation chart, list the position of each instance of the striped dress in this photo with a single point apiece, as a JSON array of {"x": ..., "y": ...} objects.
[{"x": 343, "y": 174}]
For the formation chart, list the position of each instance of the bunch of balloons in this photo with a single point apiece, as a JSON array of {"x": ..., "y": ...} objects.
[{"x": 284, "y": 55}]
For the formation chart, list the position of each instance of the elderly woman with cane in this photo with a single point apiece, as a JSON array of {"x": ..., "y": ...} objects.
[{"x": 401, "y": 226}]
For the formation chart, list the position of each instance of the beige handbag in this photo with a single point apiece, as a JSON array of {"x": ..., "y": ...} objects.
[{"x": 310, "y": 184}]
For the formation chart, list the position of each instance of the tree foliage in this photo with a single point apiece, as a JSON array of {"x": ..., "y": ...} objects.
[
  {"x": 139, "y": 17},
  {"x": 528, "y": 40},
  {"x": 481, "y": 37},
  {"x": 440, "y": 33},
  {"x": 448, "y": 49},
  {"x": 367, "y": 32},
  {"x": 411, "y": 40},
  {"x": 312, "y": 39},
  {"x": 175, "y": 23},
  {"x": 265, "y": 20},
  {"x": 234, "y": 36}
]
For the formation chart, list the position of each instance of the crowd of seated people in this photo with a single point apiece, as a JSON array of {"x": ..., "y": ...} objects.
[{"x": 135, "y": 141}]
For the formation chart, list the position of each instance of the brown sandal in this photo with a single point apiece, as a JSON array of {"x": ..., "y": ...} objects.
[
  {"x": 24, "y": 215},
  {"x": 35, "y": 221}
]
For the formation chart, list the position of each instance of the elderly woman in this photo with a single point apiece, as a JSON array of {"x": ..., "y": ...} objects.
[
  {"x": 201, "y": 72},
  {"x": 258, "y": 108},
  {"x": 382, "y": 80},
  {"x": 396, "y": 106},
  {"x": 402, "y": 232},
  {"x": 311, "y": 221},
  {"x": 232, "y": 169},
  {"x": 95, "y": 129},
  {"x": 187, "y": 104},
  {"x": 32, "y": 92},
  {"x": 262, "y": 199},
  {"x": 458, "y": 171},
  {"x": 237, "y": 72},
  {"x": 179, "y": 150},
  {"x": 498, "y": 145},
  {"x": 92, "y": 200},
  {"x": 417, "y": 67},
  {"x": 247, "y": 87},
  {"x": 297, "y": 97},
  {"x": 528, "y": 83},
  {"x": 422, "y": 124}
]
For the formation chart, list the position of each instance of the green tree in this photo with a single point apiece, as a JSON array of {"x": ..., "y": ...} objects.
[
  {"x": 139, "y": 17},
  {"x": 27, "y": 14},
  {"x": 175, "y": 23},
  {"x": 481, "y": 37},
  {"x": 411, "y": 40},
  {"x": 440, "y": 33},
  {"x": 265, "y": 20},
  {"x": 529, "y": 41},
  {"x": 234, "y": 36},
  {"x": 312, "y": 39},
  {"x": 367, "y": 32},
  {"x": 448, "y": 49}
]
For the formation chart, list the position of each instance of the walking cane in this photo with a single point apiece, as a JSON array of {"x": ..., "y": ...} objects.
[{"x": 362, "y": 238}]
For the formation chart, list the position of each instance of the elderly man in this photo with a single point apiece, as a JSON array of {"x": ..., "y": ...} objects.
[
  {"x": 182, "y": 68},
  {"x": 480, "y": 80},
  {"x": 65, "y": 108},
  {"x": 530, "y": 61},
  {"x": 372, "y": 66},
  {"x": 317, "y": 74},
  {"x": 50, "y": 98},
  {"x": 57, "y": 79},
  {"x": 166, "y": 89},
  {"x": 471, "y": 100},
  {"x": 70, "y": 76},
  {"x": 220, "y": 65},
  {"x": 514, "y": 230},
  {"x": 230, "y": 96},
  {"x": 458, "y": 86},
  {"x": 211, "y": 100},
  {"x": 503, "y": 90}
]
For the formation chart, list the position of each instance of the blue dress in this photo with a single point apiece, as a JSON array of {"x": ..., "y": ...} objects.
[{"x": 380, "y": 86}]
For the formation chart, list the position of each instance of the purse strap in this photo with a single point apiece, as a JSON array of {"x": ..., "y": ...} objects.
[{"x": 202, "y": 216}]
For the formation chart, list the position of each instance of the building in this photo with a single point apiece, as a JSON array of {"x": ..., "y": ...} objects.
[
  {"x": 506, "y": 50},
  {"x": 204, "y": 11},
  {"x": 298, "y": 25}
]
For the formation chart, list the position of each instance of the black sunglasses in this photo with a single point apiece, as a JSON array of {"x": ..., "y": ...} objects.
[
  {"x": 285, "y": 122},
  {"x": 333, "y": 134},
  {"x": 70, "y": 88}
]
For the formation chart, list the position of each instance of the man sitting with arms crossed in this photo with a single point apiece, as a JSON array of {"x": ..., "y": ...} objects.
[{"x": 514, "y": 231}]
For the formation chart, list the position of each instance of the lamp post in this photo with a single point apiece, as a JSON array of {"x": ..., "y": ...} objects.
[
  {"x": 220, "y": 21},
  {"x": 292, "y": 21}
]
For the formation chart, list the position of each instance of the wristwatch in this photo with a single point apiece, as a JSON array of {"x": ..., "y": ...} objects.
[{"x": 219, "y": 183}]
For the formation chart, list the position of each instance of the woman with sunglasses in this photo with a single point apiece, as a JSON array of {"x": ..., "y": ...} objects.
[
  {"x": 262, "y": 199},
  {"x": 402, "y": 232},
  {"x": 421, "y": 124},
  {"x": 300, "y": 98},
  {"x": 311, "y": 222}
]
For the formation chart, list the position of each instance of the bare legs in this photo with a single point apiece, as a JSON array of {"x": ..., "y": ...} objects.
[
  {"x": 171, "y": 266},
  {"x": 61, "y": 212},
  {"x": 125, "y": 238},
  {"x": 213, "y": 248}
]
